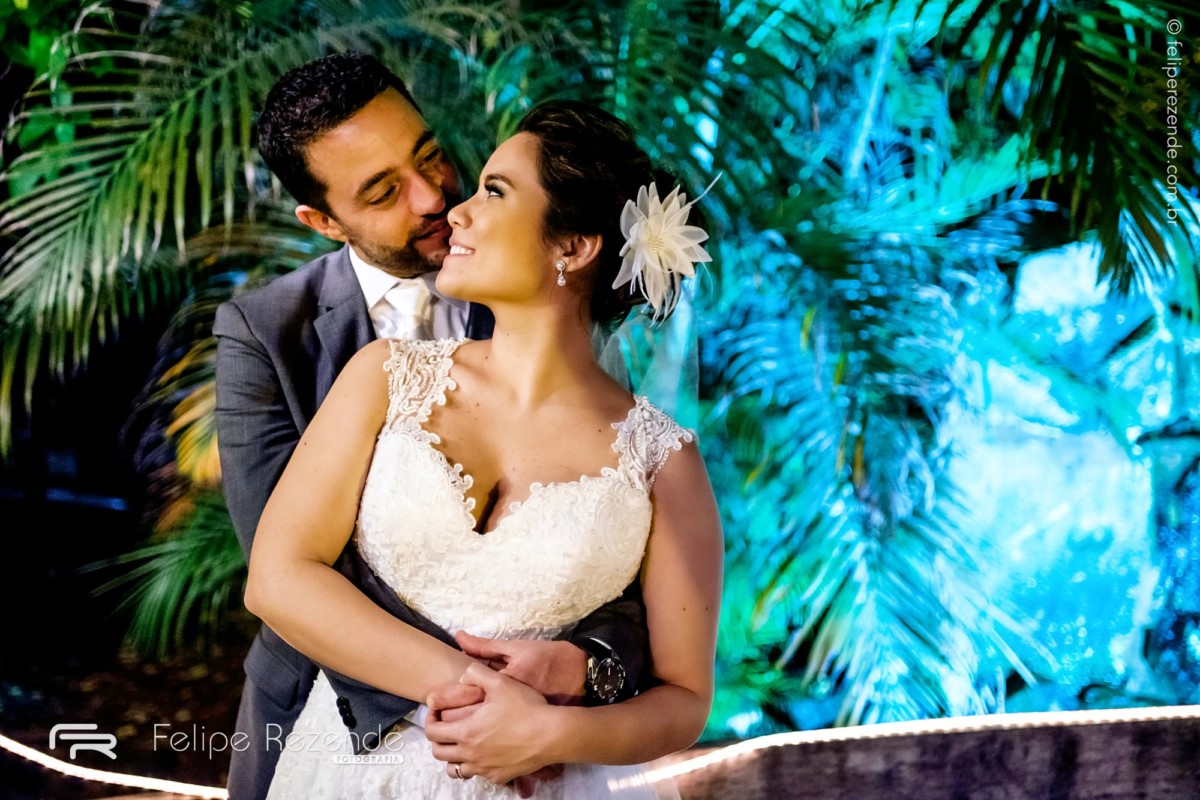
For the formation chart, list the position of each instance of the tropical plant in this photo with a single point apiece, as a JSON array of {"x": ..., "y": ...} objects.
[
  {"x": 841, "y": 436},
  {"x": 857, "y": 579},
  {"x": 181, "y": 588},
  {"x": 1091, "y": 89},
  {"x": 872, "y": 198},
  {"x": 30, "y": 46}
]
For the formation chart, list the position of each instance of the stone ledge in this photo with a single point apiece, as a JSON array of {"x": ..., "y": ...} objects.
[{"x": 1151, "y": 759}]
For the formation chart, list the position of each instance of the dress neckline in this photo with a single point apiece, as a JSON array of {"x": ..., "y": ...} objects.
[{"x": 463, "y": 480}]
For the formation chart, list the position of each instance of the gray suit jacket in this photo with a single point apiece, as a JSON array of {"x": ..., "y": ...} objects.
[{"x": 279, "y": 350}]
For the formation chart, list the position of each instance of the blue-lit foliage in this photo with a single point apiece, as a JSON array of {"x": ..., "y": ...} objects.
[{"x": 956, "y": 476}]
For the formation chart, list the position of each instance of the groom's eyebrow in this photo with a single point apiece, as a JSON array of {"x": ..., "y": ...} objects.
[{"x": 370, "y": 182}]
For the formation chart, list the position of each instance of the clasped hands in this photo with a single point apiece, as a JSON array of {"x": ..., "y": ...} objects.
[{"x": 493, "y": 722}]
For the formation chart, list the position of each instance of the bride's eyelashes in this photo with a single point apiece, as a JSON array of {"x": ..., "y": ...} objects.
[{"x": 492, "y": 189}]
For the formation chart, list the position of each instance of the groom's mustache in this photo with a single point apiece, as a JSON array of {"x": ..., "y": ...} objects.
[{"x": 434, "y": 227}]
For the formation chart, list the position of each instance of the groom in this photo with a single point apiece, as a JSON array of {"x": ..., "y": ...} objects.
[{"x": 344, "y": 137}]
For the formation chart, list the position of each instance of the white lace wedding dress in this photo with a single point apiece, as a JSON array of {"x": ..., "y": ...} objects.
[{"x": 550, "y": 561}]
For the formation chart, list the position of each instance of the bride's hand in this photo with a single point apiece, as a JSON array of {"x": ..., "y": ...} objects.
[
  {"x": 452, "y": 701},
  {"x": 504, "y": 737}
]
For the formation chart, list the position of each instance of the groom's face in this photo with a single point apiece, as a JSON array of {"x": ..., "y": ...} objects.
[{"x": 388, "y": 187}]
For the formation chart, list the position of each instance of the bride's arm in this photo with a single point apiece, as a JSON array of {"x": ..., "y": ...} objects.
[
  {"x": 681, "y": 583},
  {"x": 309, "y": 518}
]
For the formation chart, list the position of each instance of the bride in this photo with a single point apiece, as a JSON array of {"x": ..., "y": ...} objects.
[{"x": 506, "y": 488}]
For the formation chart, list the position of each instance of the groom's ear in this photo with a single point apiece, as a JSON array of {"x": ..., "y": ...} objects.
[
  {"x": 320, "y": 222},
  {"x": 581, "y": 251}
]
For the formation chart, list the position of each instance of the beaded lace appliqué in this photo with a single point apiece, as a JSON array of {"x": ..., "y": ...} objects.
[{"x": 645, "y": 440}]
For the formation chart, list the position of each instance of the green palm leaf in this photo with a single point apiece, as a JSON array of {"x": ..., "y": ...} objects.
[
  {"x": 674, "y": 70},
  {"x": 1098, "y": 108},
  {"x": 177, "y": 445},
  {"x": 184, "y": 588},
  {"x": 162, "y": 147},
  {"x": 864, "y": 582}
]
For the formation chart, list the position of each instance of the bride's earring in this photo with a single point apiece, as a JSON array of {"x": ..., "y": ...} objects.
[{"x": 561, "y": 265}]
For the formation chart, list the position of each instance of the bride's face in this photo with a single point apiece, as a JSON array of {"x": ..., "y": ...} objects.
[{"x": 498, "y": 253}]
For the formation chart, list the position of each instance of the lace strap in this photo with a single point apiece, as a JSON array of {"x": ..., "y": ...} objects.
[
  {"x": 418, "y": 377},
  {"x": 645, "y": 439}
]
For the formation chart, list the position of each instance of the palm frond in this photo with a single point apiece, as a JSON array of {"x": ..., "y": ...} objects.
[
  {"x": 674, "y": 70},
  {"x": 172, "y": 419},
  {"x": 162, "y": 104},
  {"x": 865, "y": 585},
  {"x": 184, "y": 588},
  {"x": 1086, "y": 84}
]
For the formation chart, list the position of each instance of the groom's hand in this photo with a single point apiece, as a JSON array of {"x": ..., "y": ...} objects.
[{"x": 556, "y": 669}]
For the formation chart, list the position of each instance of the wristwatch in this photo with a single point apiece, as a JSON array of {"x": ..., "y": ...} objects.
[{"x": 605, "y": 673}]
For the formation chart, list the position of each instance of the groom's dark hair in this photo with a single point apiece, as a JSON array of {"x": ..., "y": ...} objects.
[{"x": 310, "y": 100}]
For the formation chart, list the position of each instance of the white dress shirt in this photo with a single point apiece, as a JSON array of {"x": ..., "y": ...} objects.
[{"x": 448, "y": 315}]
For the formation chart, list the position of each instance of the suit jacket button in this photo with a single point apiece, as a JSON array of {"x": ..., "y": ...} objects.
[
  {"x": 343, "y": 704},
  {"x": 350, "y": 721}
]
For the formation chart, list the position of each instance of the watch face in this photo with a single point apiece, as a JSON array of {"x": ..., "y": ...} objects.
[{"x": 610, "y": 677}]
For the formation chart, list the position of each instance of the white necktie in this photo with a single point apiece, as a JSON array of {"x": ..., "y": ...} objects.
[{"x": 410, "y": 313}]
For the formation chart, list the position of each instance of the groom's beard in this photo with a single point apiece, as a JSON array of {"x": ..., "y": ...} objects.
[{"x": 403, "y": 262}]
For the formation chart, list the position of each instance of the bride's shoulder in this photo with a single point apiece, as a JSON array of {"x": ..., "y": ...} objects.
[
  {"x": 659, "y": 421},
  {"x": 367, "y": 360},
  {"x": 362, "y": 383},
  {"x": 672, "y": 453},
  {"x": 648, "y": 439}
]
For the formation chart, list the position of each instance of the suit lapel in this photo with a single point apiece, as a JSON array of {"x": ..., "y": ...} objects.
[{"x": 342, "y": 324}]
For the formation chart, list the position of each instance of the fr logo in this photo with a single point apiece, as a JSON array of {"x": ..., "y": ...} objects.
[{"x": 75, "y": 732}]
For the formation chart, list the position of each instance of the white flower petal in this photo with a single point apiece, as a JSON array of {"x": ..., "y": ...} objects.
[
  {"x": 660, "y": 248},
  {"x": 626, "y": 273},
  {"x": 630, "y": 217}
]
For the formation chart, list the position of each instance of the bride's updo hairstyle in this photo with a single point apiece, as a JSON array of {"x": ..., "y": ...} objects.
[{"x": 589, "y": 165}]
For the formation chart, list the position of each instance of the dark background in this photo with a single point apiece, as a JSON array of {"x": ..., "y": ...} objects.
[{"x": 70, "y": 496}]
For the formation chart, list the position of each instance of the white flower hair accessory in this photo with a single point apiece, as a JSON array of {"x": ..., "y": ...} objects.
[{"x": 660, "y": 247}]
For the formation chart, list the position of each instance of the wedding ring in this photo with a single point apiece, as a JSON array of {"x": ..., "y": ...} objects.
[{"x": 458, "y": 772}]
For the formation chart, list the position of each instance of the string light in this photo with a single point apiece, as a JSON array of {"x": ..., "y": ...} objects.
[
  {"x": 884, "y": 730},
  {"x": 104, "y": 776}
]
